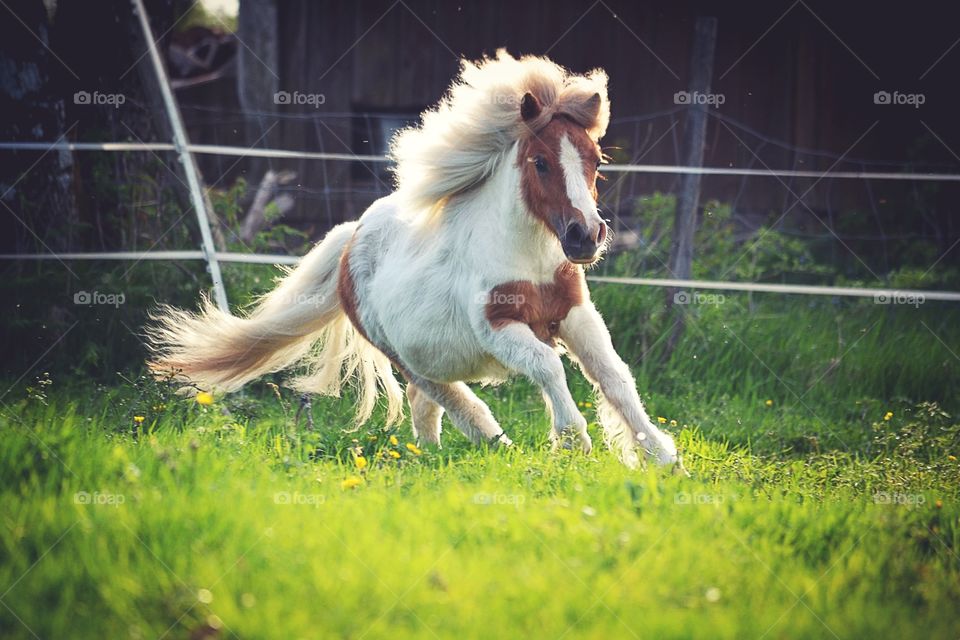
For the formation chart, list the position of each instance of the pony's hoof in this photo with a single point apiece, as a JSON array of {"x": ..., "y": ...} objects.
[
  {"x": 431, "y": 440},
  {"x": 501, "y": 441},
  {"x": 661, "y": 450},
  {"x": 586, "y": 444}
]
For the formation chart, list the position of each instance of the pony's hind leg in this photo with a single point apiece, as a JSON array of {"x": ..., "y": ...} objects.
[
  {"x": 426, "y": 416},
  {"x": 468, "y": 413}
]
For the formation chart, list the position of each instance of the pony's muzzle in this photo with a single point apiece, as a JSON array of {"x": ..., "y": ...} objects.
[{"x": 581, "y": 243}]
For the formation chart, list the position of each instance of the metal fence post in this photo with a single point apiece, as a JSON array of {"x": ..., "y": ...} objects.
[{"x": 186, "y": 159}]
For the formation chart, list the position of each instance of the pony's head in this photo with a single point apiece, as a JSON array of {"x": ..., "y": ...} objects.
[
  {"x": 553, "y": 118},
  {"x": 559, "y": 168}
]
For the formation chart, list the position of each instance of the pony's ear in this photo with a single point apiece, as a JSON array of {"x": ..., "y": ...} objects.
[
  {"x": 592, "y": 106},
  {"x": 530, "y": 107}
]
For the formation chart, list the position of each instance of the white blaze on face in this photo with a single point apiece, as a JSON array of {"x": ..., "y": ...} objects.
[{"x": 577, "y": 188}]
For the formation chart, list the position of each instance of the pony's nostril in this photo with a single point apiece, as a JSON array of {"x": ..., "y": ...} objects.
[
  {"x": 576, "y": 233},
  {"x": 601, "y": 233}
]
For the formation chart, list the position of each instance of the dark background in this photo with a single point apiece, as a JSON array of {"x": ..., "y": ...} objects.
[{"x": 798, "y": 81}]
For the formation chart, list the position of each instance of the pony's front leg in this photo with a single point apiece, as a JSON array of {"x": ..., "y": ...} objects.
[
  {"x": 621, "y": 412},
  {"x": 516, "y": 347}
]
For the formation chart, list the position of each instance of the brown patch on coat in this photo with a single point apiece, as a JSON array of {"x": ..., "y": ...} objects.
[
  {"x": 542, "y": 307},
  {"x": 545, "y": 193},
  {"x": 347, "y": 292}
]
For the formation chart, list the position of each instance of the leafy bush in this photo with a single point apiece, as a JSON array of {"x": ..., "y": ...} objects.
[{"x": 766, "y": 255}]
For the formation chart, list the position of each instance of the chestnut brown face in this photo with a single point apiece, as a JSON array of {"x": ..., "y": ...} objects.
[{"x": 559, "y": 171}]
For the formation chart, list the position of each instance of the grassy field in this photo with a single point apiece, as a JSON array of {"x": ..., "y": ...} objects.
[{"x": 822, "y": 502}]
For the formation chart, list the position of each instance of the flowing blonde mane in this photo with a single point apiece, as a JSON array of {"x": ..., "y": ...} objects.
[{"x": 462, "y": 141}]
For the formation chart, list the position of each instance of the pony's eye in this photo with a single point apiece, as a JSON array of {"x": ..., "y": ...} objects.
[{"x": 540, "y": 164}]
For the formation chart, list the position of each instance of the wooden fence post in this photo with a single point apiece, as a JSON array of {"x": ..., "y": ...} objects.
[{"x": 694, "y": 138}]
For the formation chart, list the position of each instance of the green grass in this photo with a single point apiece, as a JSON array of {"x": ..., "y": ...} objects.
[
  {"x": 810, "y": 515},
  {"x": 203, "y": 523}
]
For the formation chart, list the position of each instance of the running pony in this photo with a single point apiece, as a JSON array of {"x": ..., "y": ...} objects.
[{"x": 472, "y": 269}]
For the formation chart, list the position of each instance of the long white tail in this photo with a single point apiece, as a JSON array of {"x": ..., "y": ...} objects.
[{"x": 299, "y": 321}]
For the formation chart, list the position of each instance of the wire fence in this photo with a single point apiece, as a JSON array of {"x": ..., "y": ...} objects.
[
  {"x": 212, "y": 256},
  {"x": 831, "y": 183},
  {"x": 629, "y": 169},
  {"x": 223, "y": 150}
]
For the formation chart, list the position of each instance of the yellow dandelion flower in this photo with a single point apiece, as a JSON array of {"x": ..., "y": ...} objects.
[
  {"x": 888, "y": 415},
  {"x": 204, "y": 398},
  {"x": 361, "y": 462},
  {"x": 394, "y": 454},
  {"x": 414, "y": 449},
  {"x": 394, "y": 441},
  {"x": 351, "y": 483},
  {"x": 580, "y": 404},
  {"x": 769, "y": 403},
  {"x": 138, "y": 419},
  {"x": 673, "y": 423},
  {"x": 588, "y": 404},
  {"x": 938, "y": 504},
  {"x": 952, "y": 458},
  {"x": 661, "y": 420}
]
